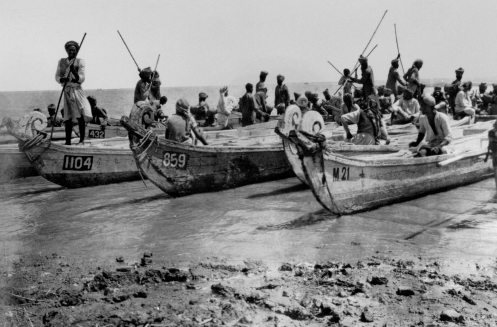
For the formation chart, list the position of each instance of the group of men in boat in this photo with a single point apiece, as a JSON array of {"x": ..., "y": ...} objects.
[{"x": 401, "y": 96}]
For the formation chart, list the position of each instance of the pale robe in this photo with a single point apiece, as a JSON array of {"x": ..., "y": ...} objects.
[{"x": 75, "y": 103}]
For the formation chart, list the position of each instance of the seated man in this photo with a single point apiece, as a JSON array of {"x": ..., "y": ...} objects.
[
  {"x": 436, "y": 127},
  {"x": 386, "y": 101},
  {"x": 406, "y": 109},
  {"x": 370, "y": 125},
  {"x": 317, "y": 104},
  {"x": 223, "y": 110},
  {"x": 159, "y": 113},
  {"x": 99, "y": 114},
  {"x": 181, "y": 125},
  {"x": 52, "y": 120},
  {"x": 463, "y": 103},
  {"x": 482, "y": 99}
]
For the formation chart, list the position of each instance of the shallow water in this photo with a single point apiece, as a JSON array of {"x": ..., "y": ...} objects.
[{"x": 273, "y": 222}]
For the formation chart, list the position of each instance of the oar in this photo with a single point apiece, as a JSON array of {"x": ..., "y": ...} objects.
[
  {"x": 339, "y": 72},
  {"x": 129, "y": 51},
  {"x": 64, "y": 87},
  {"x": 462, "y": 156},
  {"x": 153, "y": 74},
  {"x": 372, "y": 37},
  {"x": 398, "y": 51},
  {"x": 355, "y": 69}
]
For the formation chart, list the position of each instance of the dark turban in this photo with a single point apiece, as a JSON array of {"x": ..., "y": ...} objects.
[
  {"x": 202, "y": 95},
  {"x": 70, "y": 43},
  {"x": 182, "y": 105},
  {"x": 51, "y": 107}
]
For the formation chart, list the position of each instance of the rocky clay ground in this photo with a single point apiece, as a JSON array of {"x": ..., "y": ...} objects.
[{"x": 380, "y": 291}]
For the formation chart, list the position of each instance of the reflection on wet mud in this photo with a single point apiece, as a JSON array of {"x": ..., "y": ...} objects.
[{"x": 308, "y": 219}]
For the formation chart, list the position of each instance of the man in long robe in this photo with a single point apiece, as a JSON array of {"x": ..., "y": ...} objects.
[
  {"x": 142, "y": 89},
  {"x": 71, "y": 73},
  {"x": 412, "y": 77}
]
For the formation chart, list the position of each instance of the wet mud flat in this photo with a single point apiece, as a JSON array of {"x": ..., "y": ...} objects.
[
  {"x": 276, "y": 258},
  {"x": 377, "y": 291}
]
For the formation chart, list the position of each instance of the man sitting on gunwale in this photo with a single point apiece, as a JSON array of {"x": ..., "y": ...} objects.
[
  {"x": 406, "y": 109},
  {"x": 370, "y": 125},
  {"x": 182, "y": 124},
  {"x": 436, "y": 127}
]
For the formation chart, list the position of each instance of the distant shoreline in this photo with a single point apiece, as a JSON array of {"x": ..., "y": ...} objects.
[{"x": 428, "y": 82}]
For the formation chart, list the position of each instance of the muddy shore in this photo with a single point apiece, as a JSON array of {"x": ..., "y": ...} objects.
[{"x": 51, "y": 290}]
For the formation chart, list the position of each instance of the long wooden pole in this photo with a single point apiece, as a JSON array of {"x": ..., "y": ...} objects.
[
  {"x": 398, "y": 51},
  {"x": 339, "y": 72},
  {"x": 129, "y": 51},
  {"x": 355, "y": 70},
  {"x": 65, "y": 83},
  {"x": 153, "y": 74}
]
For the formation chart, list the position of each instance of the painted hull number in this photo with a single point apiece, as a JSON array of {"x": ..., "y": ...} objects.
[
  {"x": 79, "y": 163},
  {"x": 96, "y": 134},
  {"x": 341, "y": 174},
  {"x": 175, "y": 160}
]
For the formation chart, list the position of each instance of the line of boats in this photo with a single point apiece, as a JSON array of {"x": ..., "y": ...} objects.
[{"x": 344, "y": 178}]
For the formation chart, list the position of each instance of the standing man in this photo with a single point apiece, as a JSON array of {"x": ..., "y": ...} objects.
[
  {"x": 260, "y": 101},
  {"x": 223, "y": 110},
  {"x": 249, "y": 108},
  {"x": 71, "y": 72},
  {"x": 464, "y": 105},
  {"x": 262, "y": 79},
  {"x": 346, "y": 81},
  {"x": 367, "y": 78},
  {"x": 412, "y": 77},
  {"x": 454, "y": 90},
  {"x": 142, "y": 88},
  {"x": 281, "y": 95},
  {"x": 394, "y": 78}
]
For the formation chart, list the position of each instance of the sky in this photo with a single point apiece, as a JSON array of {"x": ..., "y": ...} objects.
[{"x": 228, "y": 42}]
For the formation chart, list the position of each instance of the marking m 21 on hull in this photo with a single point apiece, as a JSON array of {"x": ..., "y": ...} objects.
[
  {"x": 341, "y": 174},
  {"x": 79, "y": 163}
]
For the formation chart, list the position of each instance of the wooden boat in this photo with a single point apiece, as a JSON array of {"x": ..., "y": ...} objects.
[
  {"x": 98, "y": 162},
  {"x": 14, "y": 164},
  {"x": 373, "y": 177},
  {"x": 485, "y": 118},
  {"x": 180, "y": 169},
  {"x": 294, "y": 120}
]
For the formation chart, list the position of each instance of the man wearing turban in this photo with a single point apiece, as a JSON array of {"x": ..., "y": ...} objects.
[
  {"x": 455, "y": 88},
  {"x": 281, "y": 95},
  {"x": 367, "y": 78},
  {"x": 464, "y": 105},
  {"x": 249, "y": 107},
  {"x": 346, "y": 81},
  {"x": 413, "y": 79},
  {"x": 481, "y": 99},
  {"x": 53, "y": 120},
  {"x": 260, "y": 100},
  {"x": 262, "y": 80},
  {"x": 435, "y": 126},
  {"x": 181, "y": 125},
  {"x": 394, "y": 78},
  {"x": 71, "y": 73},
  {"x": 142, "y": 88},
  {"x": 406, "y": 109}
]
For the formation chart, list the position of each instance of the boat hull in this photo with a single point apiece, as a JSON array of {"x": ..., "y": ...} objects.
[
  {"x": 348, "y": 185},
  {"x": 77, "y": 166},
  {"x": 181, "y": 169},
  {"x": 14, "y": 164}
]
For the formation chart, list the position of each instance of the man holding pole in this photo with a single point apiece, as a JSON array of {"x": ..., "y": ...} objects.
[
  {"x": 394, "y": 77},
  {"x": 71, "y": 74},
  {"x": 367, "y": 78},
  {"x": 142, "y": 88}
]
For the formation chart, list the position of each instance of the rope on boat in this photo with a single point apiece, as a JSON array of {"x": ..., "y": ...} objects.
[
  {"x": 140, "y": 157},
  {"x": 32, "y": 142}
]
